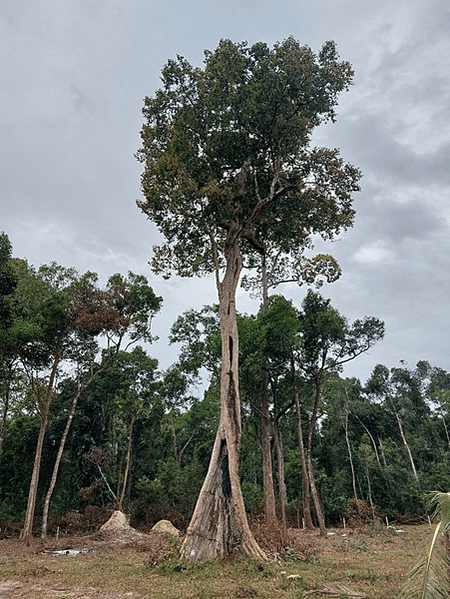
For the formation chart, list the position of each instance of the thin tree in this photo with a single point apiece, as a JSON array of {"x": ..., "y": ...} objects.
[
  {"x": 274, "y": 270},
  {"x": 43, "y": 396},
  {"x": 43, "y": 356},
  {"x": 327, "y": 342},
  {"x": 393, "y": 387},
  {"x": 344, "y": 418},
  {"x": 305, "y": 479},
  {"x": 124, "y": 309},
  {"x": 270, "y": 512}
]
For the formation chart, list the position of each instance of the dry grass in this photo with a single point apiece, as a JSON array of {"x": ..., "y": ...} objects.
[{"x": 361, "y": 563}]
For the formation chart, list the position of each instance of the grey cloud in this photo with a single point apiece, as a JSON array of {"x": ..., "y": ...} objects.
[
  {"x": 403, "y": 222},
  {"x": 372, "y": 144},
  {"x": 75, "y": 76}
]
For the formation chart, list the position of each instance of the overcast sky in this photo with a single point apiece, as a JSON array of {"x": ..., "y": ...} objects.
[{"x": 73, "y": 77}]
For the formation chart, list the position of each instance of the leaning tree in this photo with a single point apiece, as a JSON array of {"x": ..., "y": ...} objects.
[{"x": 228, "y": 173}]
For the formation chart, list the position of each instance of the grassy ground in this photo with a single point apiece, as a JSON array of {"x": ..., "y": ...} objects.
[{"x": 348, "y": 563}]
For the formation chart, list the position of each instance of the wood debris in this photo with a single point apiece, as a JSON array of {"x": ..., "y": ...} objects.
[
  {"x": 287, "y": 576},
  {"x": 338, "y": 591}
]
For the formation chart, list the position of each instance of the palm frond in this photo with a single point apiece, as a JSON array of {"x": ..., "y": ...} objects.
[
  {"x": 429, "y": 579},
  {"x": 439, "y": 504}
]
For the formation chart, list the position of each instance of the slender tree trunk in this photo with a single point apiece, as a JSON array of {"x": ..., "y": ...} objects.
[
  {"x": 175, "y": 451},
  {"x": 27, "y": 532},
  {"x": 369, "y": 488},
  {"x": 127, "y": 466},
  {"x": 219, "y": 523},
  {"x": 180, "y": 454},
  {"x": 382, "y": 451},
  {"x": 445, "y": 426},
  {"x": 270, "y": 511},
  {"x": 305, "y": 479},
  {"x": 408, "y": 450},
  {"x": 281, "y": 481},
  {"x": 373, "y": 442},
  {"x": 312, "y": 482},
  {"x": 108, "y": 486},
  {"x": 61, "y": 448},
  {"x": 119, "y": 478},
  {"x": 352, "y": 468},
  {"x": 56, "y": 467},
  {"x": 349, "y": 449}
]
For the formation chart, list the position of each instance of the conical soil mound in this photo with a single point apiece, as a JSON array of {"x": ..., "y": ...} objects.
[{"x": 117, "y": 527}]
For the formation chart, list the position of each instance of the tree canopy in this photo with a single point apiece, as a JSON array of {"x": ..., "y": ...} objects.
[{"x": 226, "y": 148}]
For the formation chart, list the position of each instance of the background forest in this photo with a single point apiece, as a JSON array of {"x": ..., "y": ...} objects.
[{"x": 89, "y": 420}]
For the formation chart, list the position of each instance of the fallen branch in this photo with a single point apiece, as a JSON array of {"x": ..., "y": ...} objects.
[{"x": 338, "y": 592}]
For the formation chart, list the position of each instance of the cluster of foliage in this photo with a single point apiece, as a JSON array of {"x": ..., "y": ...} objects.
[
  {"x": 366, "y": 436},
  {"x": 142, "y": 439}
]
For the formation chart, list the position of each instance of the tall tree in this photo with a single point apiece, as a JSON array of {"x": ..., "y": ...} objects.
[
  {"x": 308, "y": 523},
  {"x": 265, "y": 351},
  {"x": 327, "y": 342},
  {"x": 402, "y": 391},
  {"x": 138, "y": 372},
  {"x": 228, "y": 172},
  {"x": 72, "y": 312},
  {"x": 21, "y": 333},
  {"x": 43, "y": 356},
  {"x": 122, "y": 311}
]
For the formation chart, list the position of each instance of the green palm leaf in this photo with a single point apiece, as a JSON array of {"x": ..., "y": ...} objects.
[{"x": 429, "y": 579}]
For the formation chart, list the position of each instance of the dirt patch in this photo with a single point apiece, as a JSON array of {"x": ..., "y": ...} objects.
[
  {"x": 35, "y": 572},
  {"x": 14, "y": 589},
  {"x": 116, "y": 564}
]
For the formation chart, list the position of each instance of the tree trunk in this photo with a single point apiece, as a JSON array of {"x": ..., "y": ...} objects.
[
  {"x": 349, "y": 449},
  {"x": 408, "y": 450},
  {"x": 27, "y": 532},
  {"x": 175, "y": 451},
  {"x": 382, "y": 452},
  {"x": 119, "y": 478},
  {"x": 56, "y": 467},
  {"x": 305, "y": 479},
  {"x": 445, "y": 425},
  {"x": 312, "y": 482},
  {"x": 61, "y": 448},
  {"x": 127, "y": 466},
  {"x": 281, "y": 481},
  {"x": 373, "y": 442},
  {"x": 219, "y": 523},
  {"x": 369, "y": 489},
  {"x": 270, "y": 512}
]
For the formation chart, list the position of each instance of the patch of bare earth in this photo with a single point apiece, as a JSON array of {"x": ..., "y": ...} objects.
[
  {"x": 113, "y": 563},
  {"x": 33, "y": 572}
]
